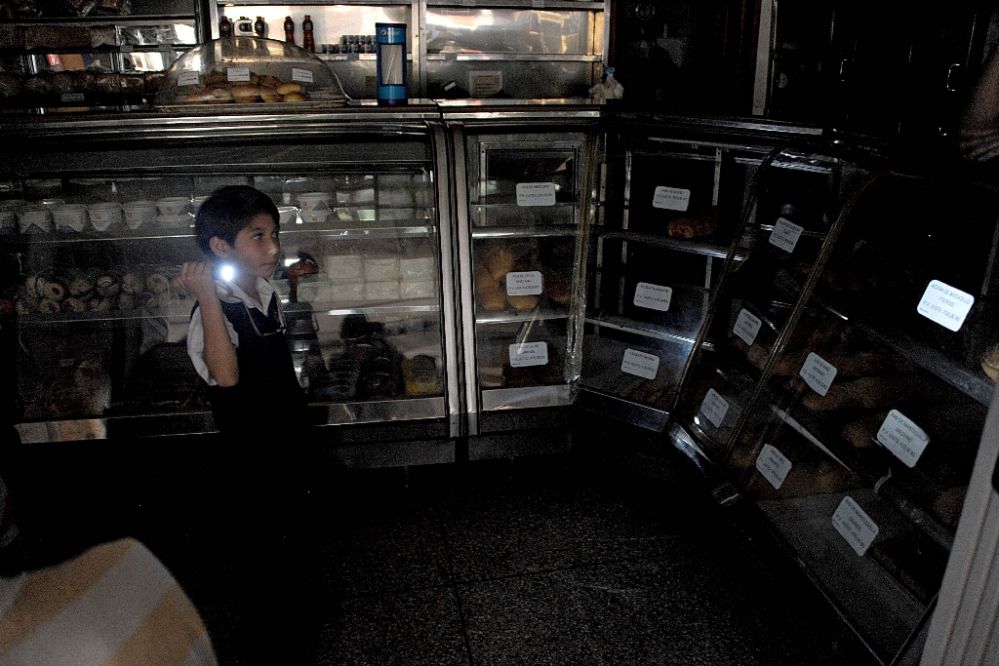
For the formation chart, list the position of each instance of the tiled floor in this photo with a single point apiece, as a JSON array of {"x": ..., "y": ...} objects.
[
  {"x": 559, "y": 561},
  {"x": 565, "y": 560}
]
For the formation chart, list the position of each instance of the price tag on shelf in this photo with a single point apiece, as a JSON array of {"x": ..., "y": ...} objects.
[
  {"x": 671, "y": 198},
  {"x": 785, "y": 234},
  {"x": 714, "y": 407},
  {"x": 653, "y": 296},
  {"x": 773, "y": 465},
  {"x": 237, "y": 74},
  {"x": 854, "y": 525},
  {"x": 528, "y": 353},
  {"x": 747, "y": 325},
  {"x": 535, "y": 194},
  {"x": 72, "y": 97},
  {"x": 903, "y": 437},
  {"x": 301, "y": 75},
  {"x": 189, "y": 78},
  {"x": 817, "y": 373},
  {"x": 945, "y": 305},
  {"x": 640, "y": 364},
  {"x": 524, "y": 283}
]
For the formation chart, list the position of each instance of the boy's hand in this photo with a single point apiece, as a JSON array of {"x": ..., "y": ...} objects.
[{"x": 198, "y": 277}]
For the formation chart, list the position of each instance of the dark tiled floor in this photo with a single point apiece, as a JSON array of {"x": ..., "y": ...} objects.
[
  {"x": 566, "y": 560},
  {"x": 560, "y": 561}
]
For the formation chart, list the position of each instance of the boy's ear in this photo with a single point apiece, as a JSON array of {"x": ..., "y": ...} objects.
[{"x": 219, "y": 247}]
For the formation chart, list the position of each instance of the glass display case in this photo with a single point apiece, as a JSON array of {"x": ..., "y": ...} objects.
[
  {"x": 524, "y": 185},
  {"x": 847, "y": 373},
  {"x": 672, "y": 204},
  {"x": 99, "y": 231}
]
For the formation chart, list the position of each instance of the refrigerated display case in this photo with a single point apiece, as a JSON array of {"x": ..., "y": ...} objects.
[{"x": 98, "y": 214}]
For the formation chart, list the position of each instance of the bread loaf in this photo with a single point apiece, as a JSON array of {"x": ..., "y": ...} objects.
[{"x": 863, "y": 393}]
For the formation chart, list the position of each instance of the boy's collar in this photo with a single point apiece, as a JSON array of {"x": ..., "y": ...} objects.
[{"x": 230, "y": 292}]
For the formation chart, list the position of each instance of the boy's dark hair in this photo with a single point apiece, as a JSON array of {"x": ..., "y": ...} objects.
[{"x": 227, "y": 211}]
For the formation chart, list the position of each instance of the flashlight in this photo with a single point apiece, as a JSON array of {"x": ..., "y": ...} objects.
[{"x": 225, "y": 272}]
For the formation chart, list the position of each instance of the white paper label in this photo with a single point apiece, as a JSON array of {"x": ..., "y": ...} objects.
[
  {"x": 785, "y": 234},
  {"x": 653, "y": 296},
  {"x": 485, "y": 83},
  {"x": 302, "y": 75},
  {"x": 902, "y": 437},
  {"x": 524, "y": 283},
  {"x": 535, "y": 194},
  {"x": 528, "y": 353},
  {"x": 640, "y": 364},
  {"x": 237, "y": 74},
  {"x": 671, "y": 198},
  {"x": 714, "y": 407},
  {"x": 189, "y": 78},
  {"x": 945, "y": 305},
  {"x": 773, "y": 465},
  {"x": 854, "y": 525},
  {"x": 72, "y": 97},
  {"x": 747, "y": 325},
  {"x": 817, "y": 373}
]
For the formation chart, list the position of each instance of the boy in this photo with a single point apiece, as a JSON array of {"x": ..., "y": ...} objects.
[
  {"x": 236, "y": 336},
  {"x": 237, "y": 343}
]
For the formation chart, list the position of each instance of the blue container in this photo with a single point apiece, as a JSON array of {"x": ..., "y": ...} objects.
[{"x": 392, "y": 70}]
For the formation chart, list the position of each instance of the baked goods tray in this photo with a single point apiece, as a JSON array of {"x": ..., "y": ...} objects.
[{"x": 255, "y": 107}]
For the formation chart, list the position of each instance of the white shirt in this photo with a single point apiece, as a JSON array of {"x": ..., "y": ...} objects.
[{"x": 227, "y": 293}]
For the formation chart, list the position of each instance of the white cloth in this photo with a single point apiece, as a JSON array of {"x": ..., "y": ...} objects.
[
  {"x": 113, "y": 605},
  {"x": 227, "y": 293}
]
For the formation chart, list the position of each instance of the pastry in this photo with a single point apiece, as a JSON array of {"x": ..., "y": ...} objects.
[
  {"x": 863, "y": 393},
  {"x": 293, "y": 97},
  {"x": 522, "y": 303},
  {"x": 491, "y": 295},
  {"x": 285, "y": 89},
  {"x": 497, "y": 258},
  {"x": 990, "y": 362},
  {"x": 689, "y": 226}
]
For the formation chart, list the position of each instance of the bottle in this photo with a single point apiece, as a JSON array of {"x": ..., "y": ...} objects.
[
  {"x": 260, "y": 27},
  {"x": 308, "y": 42},
  {"x": 289, "y": 30},
  {"x": 225, "y": 27}
]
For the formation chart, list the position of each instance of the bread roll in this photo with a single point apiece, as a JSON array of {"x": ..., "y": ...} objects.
[
  {"x": 245, "y": 94},
  {"x": 863, "y": 393},
  {"x": 522, "y": 303},
  {"x": 290, "y": 88},
  {"x": 269, "y": 95},
  {"x": 990, "y": 362},
  {"x": 694, "y": 226},
  {"x": 497, "y": 258},
  {"x": 861, "y": 434},
  {"x": 490, "y": 294},
  {"x": 293, "y": 97}
]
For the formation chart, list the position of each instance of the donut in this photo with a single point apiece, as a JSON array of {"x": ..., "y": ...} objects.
[
  {"x": 53, "y": 290},
  {"x": 80, "y": 285},
  {"x": 74, "y": 305},
  {"x": 48, "y": 306},
  {"x": 132, "y": 283},
  {"x": 157, "y": 283},
  {"x": 107, "y": 285}
]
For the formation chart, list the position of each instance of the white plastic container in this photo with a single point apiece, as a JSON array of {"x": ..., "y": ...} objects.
[
  {"x": 180, "y": 222},
  {"x": 381, "y": 268},
  {"x": 173, "y": 205},
  {"x": 287, "y": 215},
  {"x": 139, "y": 213},
  {"x": 104, "y": 215},
  {"x": 69, "y": 217},
  {"x": 344, "y": 267},
  {"x": 420, "y": 268},
  {"x": 315, "y": 206},
  {"x": 382, "y": 291},
  {"x": 8, "y": 215},
  {"x": 34, "y": 219}
]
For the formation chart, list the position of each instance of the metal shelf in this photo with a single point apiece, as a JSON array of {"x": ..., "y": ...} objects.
[
  {"x": 666, "y": 242},
  {"x": 103, "y": 20},
  {"x": 626, "y": 325},
  {"x": 558, "y": 395},
  {"x": 520, "y": 4},
  {"x": 525, "y": 232},
  {"x": 511, "y": 57},
  {"x": 487, "y": 318}
]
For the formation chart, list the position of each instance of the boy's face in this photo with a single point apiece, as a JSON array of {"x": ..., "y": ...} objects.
[{"x": 256, "y": 250}]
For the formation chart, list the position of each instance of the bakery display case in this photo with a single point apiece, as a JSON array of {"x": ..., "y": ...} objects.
[
  {"x": 846, "y": 375},
  {"x": 99, "y": 229},
  {"x": 673, "y": 203},
  {"x": 524, "y": 184}
]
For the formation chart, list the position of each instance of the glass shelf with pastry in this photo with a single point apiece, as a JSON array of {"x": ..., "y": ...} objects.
[
  {"x": 521, "y": 354},
  {"x": 515, "y": 277}
]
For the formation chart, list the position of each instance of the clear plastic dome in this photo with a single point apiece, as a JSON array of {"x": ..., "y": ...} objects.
[{"x": 249, "y": 71}]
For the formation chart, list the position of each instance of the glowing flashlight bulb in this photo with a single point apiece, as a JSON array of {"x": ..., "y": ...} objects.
[{"x": 227, "y": 272}]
